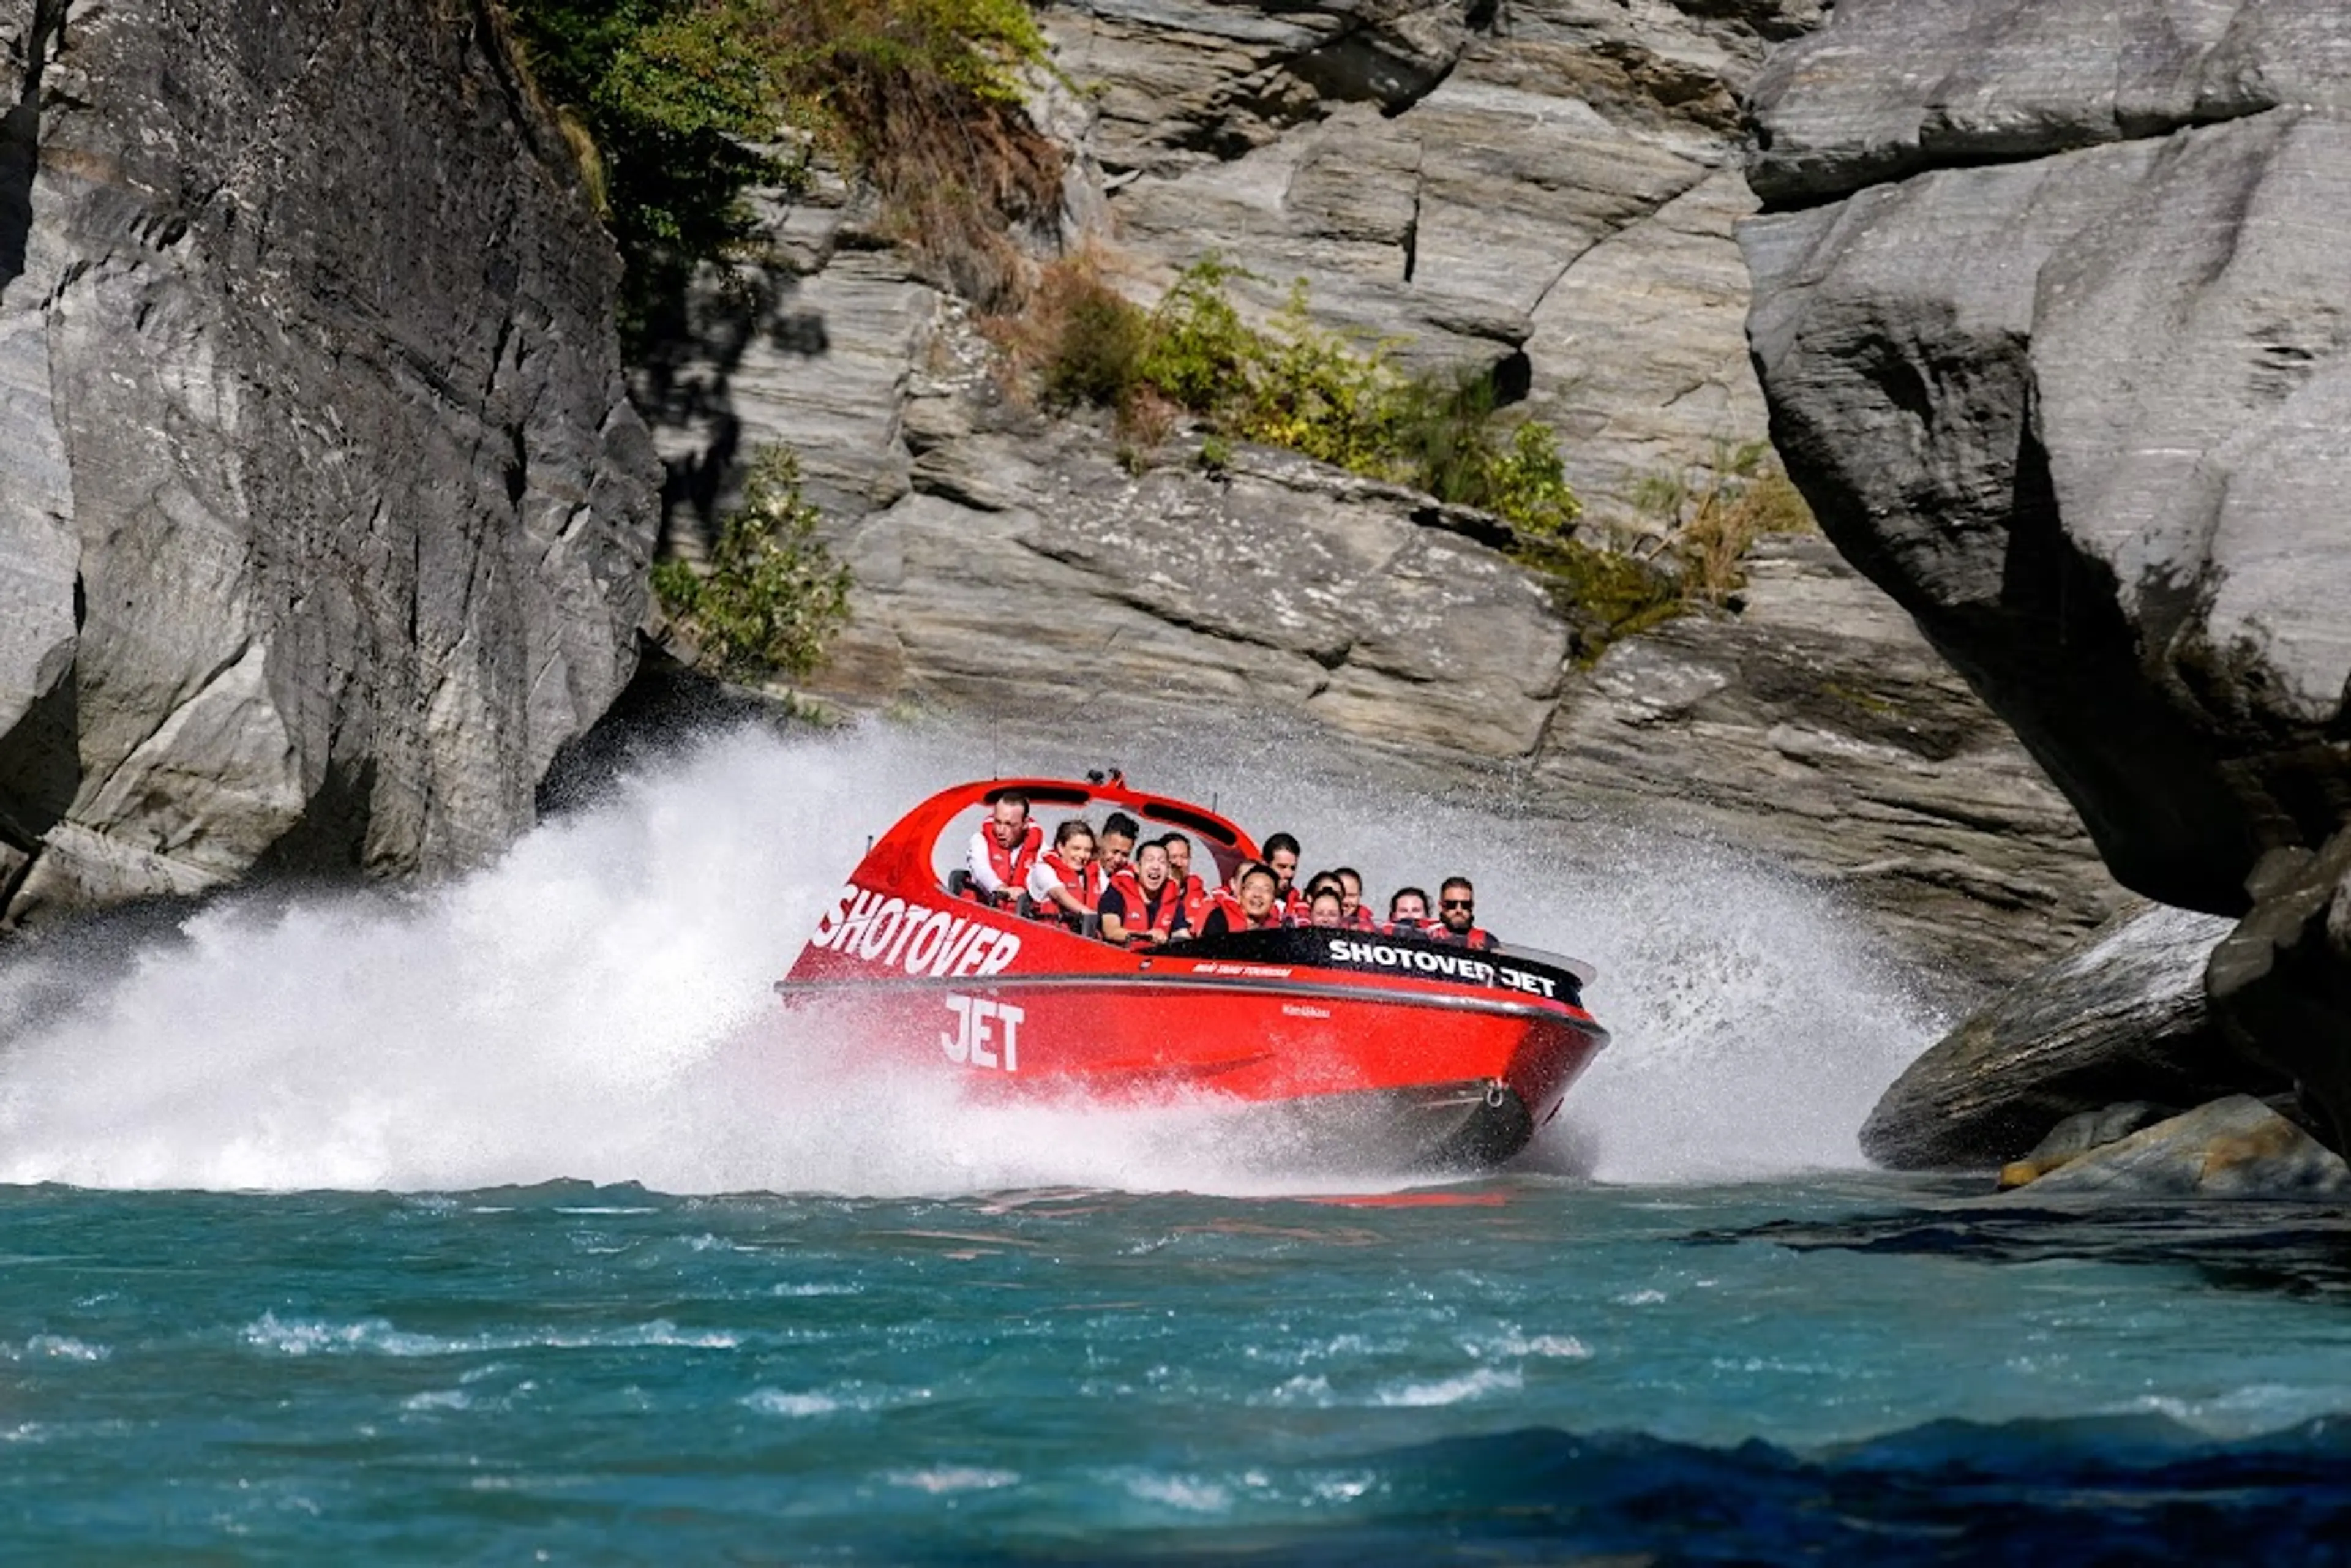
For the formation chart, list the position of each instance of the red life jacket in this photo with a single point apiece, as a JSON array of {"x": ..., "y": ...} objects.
[
  {"x": 1130, "y": 888},
  {"x": 1364, "y": 920},
  {"x": 1477, "y": 935},
  {"x": 1011, "y": 866},
  {"x": 1235, "y": 917},
  {"x": 1086, "y": 886},
  {"x": 1198, "y": 902}
]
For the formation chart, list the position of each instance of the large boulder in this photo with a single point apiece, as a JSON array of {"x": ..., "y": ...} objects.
[
  {"x": 2056, "y": 337},
  {"x": 325, "y": 516},
  {"x": 2122, "y": 1017}
]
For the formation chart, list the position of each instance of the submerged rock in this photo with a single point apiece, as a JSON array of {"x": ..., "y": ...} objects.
[
  {"x": 326, "y": 518},
  {"x": 2079, "y": 1133},
  {"x": 2121, "y": 1018},
  {"x": 2236, "y": 1148}
]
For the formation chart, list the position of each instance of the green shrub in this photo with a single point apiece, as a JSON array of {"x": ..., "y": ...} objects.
[
  {"x": 1290, "y": 384},
  {"x": 1097, "y": 356},
  {"x": 686, "y": 104},
  {"x": 1198, "y": 354},
  {"x": 1713, "y": 514},
  {"x": 772, "y": 596}
]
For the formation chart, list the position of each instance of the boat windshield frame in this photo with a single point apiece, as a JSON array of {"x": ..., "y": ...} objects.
[{"x": 937, "y": 823}]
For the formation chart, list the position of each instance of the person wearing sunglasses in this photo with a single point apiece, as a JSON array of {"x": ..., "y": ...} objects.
[{"x": 1456, "y": 916}]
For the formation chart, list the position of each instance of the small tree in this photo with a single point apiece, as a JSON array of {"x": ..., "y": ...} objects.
[{"x": 772, "y": 596}]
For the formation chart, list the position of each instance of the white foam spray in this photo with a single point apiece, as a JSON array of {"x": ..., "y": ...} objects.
[{"x": 596, "y": 1005}]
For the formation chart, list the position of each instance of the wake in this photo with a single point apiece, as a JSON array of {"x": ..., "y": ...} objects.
[{"x": 595, "y": 1004}]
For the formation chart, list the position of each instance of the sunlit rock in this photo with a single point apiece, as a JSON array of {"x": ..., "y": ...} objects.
[
  {"x": 325, "y": 519},
  {"x": 2236, "y": 1148}
]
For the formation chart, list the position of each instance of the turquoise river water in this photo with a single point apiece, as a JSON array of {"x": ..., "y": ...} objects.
[{"x": 506, "y": 1221}]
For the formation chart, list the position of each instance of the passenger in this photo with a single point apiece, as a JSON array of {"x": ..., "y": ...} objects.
[
  {"x": 1351, "y": 894},
  {"x": 1142, "y": 908},
  {"x": 1409, "y": 911},
  {"x": 1456, "y": 916},
  {"x": 1281, "y": 859},
  {"x": 1196, "y": 897},
  {"x": 1226, "y": 896},
  {"x": 1003, "y": 852},
  {"x": 1327, "y": 909},
  {"x": 1254, "y": 907},
  {"x": 1116, "y": 846},
  {"x": 1065, "y": 884}
]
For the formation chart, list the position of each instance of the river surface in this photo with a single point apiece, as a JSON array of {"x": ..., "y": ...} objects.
[{"x": 506, "y": 1221}]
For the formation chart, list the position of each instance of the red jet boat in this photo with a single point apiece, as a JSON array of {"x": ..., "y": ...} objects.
[{"x": 1359, "y": 1050}]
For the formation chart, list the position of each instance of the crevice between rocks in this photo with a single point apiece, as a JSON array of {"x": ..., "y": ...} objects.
[
  {"x": 1796, "y": 194},
  {"x": 20, "y": 141}
]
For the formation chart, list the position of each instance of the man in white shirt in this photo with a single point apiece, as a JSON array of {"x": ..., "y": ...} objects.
[{"x": 1004, "y": 850}]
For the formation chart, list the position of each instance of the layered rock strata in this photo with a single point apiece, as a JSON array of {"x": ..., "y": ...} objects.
[
  {"x": 2054, "y": 334},
  {"x": 1030, "y": 581},
  {"x": 326, "y": 517},
  {"x": 1549, "y": 188}
]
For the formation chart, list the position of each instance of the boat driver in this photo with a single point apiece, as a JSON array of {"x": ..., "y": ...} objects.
[
  {"x": 1005, "y": 849},
  {"x": 1456, "y": 916},
  {"x": 1141, "y": 908},
  {"x": 1064, "y": 883}
]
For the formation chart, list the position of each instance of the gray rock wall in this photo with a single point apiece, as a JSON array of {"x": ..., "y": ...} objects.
[
  {"x": 1546, "y": 185},
  {"x": 325, "y": 516},
  {"x": 2057, "y": 350},
  {"x": 2054, "y": 337},
  {"x": 1554, "y": 180}
]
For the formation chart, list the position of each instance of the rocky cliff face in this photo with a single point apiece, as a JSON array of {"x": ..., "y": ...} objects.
[
  {"x": 324, "y": 517},
  {"x": 2054, "y": 332},
  {"x": 1029, "y": 580},
  {"x": 1547, "y": 187}
]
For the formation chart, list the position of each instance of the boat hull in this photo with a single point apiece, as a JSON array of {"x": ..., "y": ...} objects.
[
  {"x": 1324, "y": 1073},
  {"x": 1345, "y": 1049}
]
